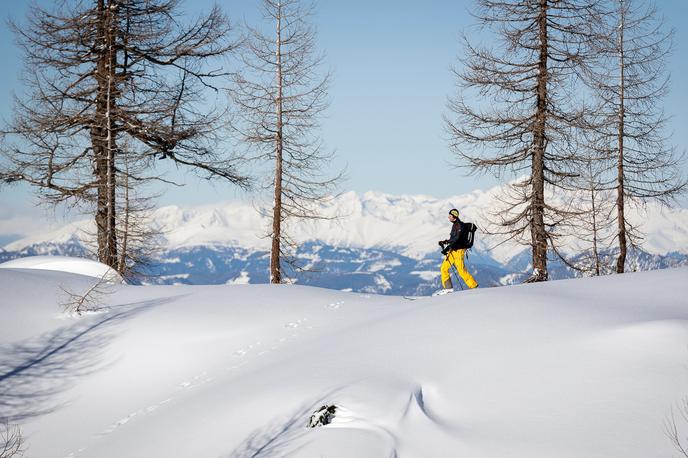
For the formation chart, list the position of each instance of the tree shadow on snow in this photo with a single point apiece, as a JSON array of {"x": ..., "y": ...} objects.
[{"x": 34, "y": 371}]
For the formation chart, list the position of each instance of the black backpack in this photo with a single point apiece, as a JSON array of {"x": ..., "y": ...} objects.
[{"x": 467, "y": 236}]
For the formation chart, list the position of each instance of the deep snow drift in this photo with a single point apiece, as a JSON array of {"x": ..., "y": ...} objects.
[
  {"x": 79, "y": 266},
  {"x": 574, "y": 368}
]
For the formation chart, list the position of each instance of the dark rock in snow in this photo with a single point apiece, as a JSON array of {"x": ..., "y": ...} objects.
[{"x": 323, "y": 416}]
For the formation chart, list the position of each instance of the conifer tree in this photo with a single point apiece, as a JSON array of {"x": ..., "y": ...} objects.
[
  {"x": 629, "y": 127},
  {"x": 516, "y": 113},
  {"x": 278, "y": 96},
  {"x": 103, "y": 75}
]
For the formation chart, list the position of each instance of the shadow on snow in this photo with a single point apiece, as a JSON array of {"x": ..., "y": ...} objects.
[{"x": 34, "y": 371}]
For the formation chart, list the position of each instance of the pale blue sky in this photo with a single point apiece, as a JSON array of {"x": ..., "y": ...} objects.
[{"x": 391, "y": 62}]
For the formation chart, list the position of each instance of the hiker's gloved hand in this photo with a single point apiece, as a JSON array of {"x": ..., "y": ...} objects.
[{"x": 441, "y": 243}]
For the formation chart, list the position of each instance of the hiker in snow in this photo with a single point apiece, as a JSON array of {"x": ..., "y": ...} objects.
[{"x": 454, "y": 250}]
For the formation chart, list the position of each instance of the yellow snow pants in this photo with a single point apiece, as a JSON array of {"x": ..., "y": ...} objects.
[{"x": 456, "y": 257}]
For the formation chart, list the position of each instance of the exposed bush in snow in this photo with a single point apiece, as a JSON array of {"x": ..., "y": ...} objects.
[
  {"x": 90, "y": 300},
  {"x": 11, "y": 441},
  {"x": 676, "y": 428}
]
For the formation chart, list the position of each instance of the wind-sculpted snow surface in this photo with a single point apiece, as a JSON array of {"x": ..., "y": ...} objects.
[{"x": 575, "y": 368}]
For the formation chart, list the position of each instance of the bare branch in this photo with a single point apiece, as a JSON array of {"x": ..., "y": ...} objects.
[{"x": 11, "y": 441}]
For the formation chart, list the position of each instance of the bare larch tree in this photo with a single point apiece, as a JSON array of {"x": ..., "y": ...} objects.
[
  {"x": 593, "y": 224},
  {"x": 139, "y": 238},
  {"x": 278, "y": 97},
  {"x": 103, "y": 75},
  {"x": 516, "y": 112},
  {"x": 630, "y": 81}
]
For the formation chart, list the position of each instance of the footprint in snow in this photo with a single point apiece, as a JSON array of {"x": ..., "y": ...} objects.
[
  {"x": 198, "y": 380},
  {"x": 295, "y": 324},
  {"x": 75, "y": 454},
  {"x": 237, "y": 366},
  {"x": 119, "y": 423},
  {"x": 243, "y": 351},
  {"x": 131, "y": 416}
]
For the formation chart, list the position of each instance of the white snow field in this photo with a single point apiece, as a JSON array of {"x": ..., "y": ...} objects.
[
  {"x": 573, "y": 368},
  {"x": 79, "y": 266}
]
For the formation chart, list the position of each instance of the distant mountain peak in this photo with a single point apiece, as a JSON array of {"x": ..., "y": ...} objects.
[{"x": 409, "y": 224}]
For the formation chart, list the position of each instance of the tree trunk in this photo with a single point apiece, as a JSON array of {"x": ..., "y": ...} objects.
[
  {"x": 620, "y": 190},
  {"x": 111, "y": 133},
  {"x": 537, "y": 222},
  {"x": 595, "y": 250},
  {"x": 122, "y": 263},
  {"x": 102, "y": 137},
  {"x": 275, "y": 269}
]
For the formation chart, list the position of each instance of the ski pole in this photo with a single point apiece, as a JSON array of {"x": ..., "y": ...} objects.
[{"x": 458, "y": 280}]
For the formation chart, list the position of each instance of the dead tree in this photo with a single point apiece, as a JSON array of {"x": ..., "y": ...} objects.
[
  {"x": 516, "y": 113},
  {"x": 593, "y": 224},
  {"x": 138, "y": 237},
  {"x": 278, "y": 97},
  {"x": 103, "y": 74},
  {"x": 629, "y": 81}
]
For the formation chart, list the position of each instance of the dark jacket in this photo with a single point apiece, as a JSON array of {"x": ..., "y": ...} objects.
[{"x": 455, "y": 235}]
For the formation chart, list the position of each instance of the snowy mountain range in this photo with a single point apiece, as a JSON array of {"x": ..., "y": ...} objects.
[{"x": 380, "y": 243}]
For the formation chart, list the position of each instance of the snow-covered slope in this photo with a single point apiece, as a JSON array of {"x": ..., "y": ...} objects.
[
  {"x": 576, "y": 368},
  {"x": 79, "y": 266},
  {"x": 411, "y": 225}
]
